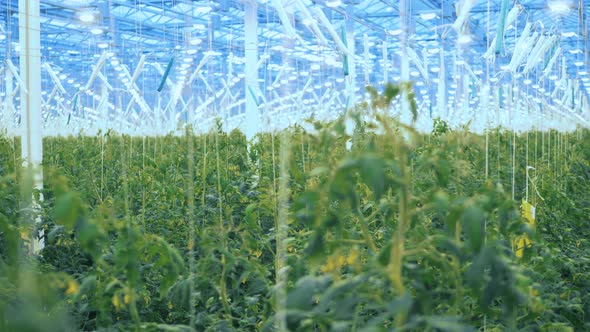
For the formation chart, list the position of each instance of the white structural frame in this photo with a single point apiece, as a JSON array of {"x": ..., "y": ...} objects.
[{"x": 30, "y": 73}]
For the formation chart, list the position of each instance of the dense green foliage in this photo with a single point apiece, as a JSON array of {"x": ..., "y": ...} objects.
[{"x": 385, "y": 229}]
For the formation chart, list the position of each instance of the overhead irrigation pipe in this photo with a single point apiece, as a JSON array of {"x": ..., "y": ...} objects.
[
  {"x": 284, "y": 18},
  {"x": 138, "y": 99},
  {"x": 97, "y": 68},
  {"x": 227, "y": 91},
  {"x": 14, "y": 72},
  {"x": 279, "y": 74},
  {"x": 204, "y": 80},
  {"x": 197, "y": 70},
  {"x": 51, "y": 96},
  {"x": 262, "y": 59},
  {"x": 137, "y": 71},
  {"x": 313, "y": 26},
  {"x": 326, "y": 23},
  {"x": 472, "y": 74},
  {"x": 54, "y": 78},
  {"x": 104, "y": 81},
  {"x": 414, "y": 57}
]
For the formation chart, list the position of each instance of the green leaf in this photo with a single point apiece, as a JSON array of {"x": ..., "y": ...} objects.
[
  {"x": 385, "y": 254},
  {"x": 372, "y": 172},
  {"x": 66, "y": 210},
  {"x": 315, "y": 247},
  {"x": 473, "y": 220},
  {"x": 448, "y": 324}
]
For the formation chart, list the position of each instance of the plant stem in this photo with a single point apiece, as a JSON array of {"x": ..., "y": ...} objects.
[
  {"x": 365, "y": 230},
  {"x": 222, "y": 282},
  {"x": 281, "y": 228},
  {"x": 397, "y": 249}
]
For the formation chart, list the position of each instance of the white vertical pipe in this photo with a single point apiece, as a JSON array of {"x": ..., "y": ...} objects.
[
  {"x": 385, "y": 62},
  {"x": 367, "y": 59},
  {"x": 251, "y": 70},
  {"x": 405, "y": 63},
  {"x": 442, "y": 80},
  {"x": 30, "y": 69},
  {"x": 8, "y": 106},
  {"x": 351, "y": 79}
]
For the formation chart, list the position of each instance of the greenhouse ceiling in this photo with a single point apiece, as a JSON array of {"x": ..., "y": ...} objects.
[{"x": 155, "y": 63}]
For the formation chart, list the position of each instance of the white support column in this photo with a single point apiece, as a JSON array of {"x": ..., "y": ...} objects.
[
  {"x": 405, "y": 62},
  {"x": 251, "y": 70},
  {"x": 30, "y": 72}
]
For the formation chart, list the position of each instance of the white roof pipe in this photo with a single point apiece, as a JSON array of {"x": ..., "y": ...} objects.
[
  {"x": 279, "y": 74},
  {"x": 126, "y": 72},
  {"x": 313, "y": 24},
  {"x": 262, "y": 59},
  {"x": 289, "y": 30},
  {"x": 197, "y": 70},
  {"x": 207, "y": 86},
  {"x": 14, "y": 72},
  {"x": 97, "y": 68},
  {"x": 326, "y": 23},
  {"x": 54, "y": 77},
  {"x": 104, "y": 81},
  {"x": 51, "y": 96},
  {"x": 414, "y": 57},
  {"x": 472, "y": 74},
  {"x": 137, "y": 71}
]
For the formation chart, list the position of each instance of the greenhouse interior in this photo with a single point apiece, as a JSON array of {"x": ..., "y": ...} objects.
[{"x": 294, "y": 165}]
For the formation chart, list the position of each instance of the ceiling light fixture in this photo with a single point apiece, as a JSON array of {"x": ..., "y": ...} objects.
[
  {"x": 87, "y": 17},
  {"x": 396, "y": 32},
  {"x": 427, "y": 16},
  {"x": 464, "y": 39},
  {"x": 333, "y": 3},
  {"x": 559, "y": 7},
  {"x": 568, "y": 34}
]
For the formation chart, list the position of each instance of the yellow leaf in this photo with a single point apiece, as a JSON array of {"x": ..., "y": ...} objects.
[
  {"x": 126, "y": 298},
  {"x": 352, "y": 257},
  {"x": 73, "y": 287},
  {"x": 115, "y": 301}
]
